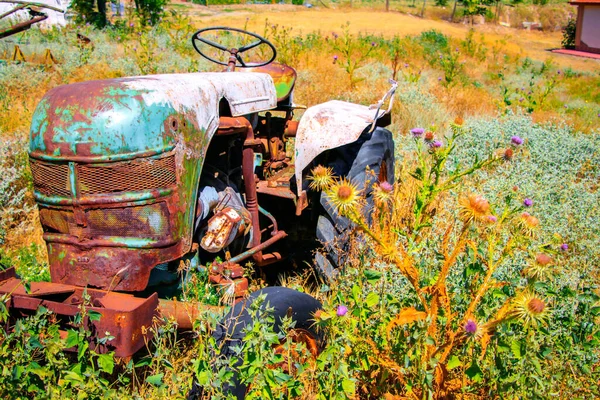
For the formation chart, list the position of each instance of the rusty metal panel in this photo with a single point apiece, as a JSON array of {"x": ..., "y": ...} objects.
[
  {"x": 124, "y": 316},
  {"x": 327, "y": 126},
  {"x": 111, "y": 268}
]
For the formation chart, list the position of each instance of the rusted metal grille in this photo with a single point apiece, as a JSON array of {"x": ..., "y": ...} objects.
[
  {"x": 50, "y": 179},
  {"x": 130, "y": 176},
  {"x": 56, "y": 220},
  {"x": 140, "y": 221}
]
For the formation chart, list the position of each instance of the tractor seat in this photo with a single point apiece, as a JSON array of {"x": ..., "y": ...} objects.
[{"x": 283, "y": 76}]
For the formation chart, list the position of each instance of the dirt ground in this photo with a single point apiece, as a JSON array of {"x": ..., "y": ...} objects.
[{"x": 304, "y": 20}]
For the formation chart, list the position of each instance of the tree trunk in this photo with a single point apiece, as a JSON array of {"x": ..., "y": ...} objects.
[
  {"x": 453, "y": 11},
  {"x": 423, "y": 9},
  {"x": 387, "y": 5},
  {"x": 102, "y": 12}
]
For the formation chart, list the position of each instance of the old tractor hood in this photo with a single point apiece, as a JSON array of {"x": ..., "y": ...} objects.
[{"x": 116, "y": 118}]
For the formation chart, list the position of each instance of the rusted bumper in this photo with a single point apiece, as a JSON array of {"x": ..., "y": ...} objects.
[{"x": 123, "y": 316}]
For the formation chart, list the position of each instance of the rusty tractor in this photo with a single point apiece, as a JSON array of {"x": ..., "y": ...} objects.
[{"x": 134, "y": 176}]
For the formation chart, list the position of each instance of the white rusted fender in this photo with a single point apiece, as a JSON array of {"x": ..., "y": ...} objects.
[
  {"x": 201, "y": 92},
  {"x": 327, "y": 126}
]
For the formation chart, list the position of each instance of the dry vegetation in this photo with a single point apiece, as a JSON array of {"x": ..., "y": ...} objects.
[{"x": 500, "y": 83}]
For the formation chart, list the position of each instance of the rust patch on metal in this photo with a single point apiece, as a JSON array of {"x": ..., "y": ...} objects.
[
  {"x": 223, "y": 228},
  {"x": 125, "y": 317},
  {"x": 185, "y": 313},
  {"x": 229, "y": 276},
  {"x": 111, "y": 268}
]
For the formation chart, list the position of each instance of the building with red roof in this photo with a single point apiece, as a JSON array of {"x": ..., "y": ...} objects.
[{"x": 587, "y": 36}]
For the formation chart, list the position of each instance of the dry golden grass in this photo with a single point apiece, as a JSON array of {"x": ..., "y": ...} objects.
[{"x": 531, "y": 43}]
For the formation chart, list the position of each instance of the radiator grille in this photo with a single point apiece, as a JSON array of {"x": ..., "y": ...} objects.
[
  {"x": 142, "y": 221},
  {"x": 51, "y": 179},
  {"x": 150, "y": 221},
  {"x": 130, "y": 176}
]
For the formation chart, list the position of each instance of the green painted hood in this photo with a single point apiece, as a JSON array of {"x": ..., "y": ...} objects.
[{"x": 117, "y": 118}]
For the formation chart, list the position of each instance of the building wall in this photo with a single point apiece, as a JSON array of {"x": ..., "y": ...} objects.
[{"x": 590, "y": 27}]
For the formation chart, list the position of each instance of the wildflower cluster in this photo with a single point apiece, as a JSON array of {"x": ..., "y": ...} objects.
[{"x": 454, "y": 306}]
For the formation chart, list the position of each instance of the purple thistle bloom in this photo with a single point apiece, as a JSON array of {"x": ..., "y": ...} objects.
[
  {"x": 417, "y": 132},
  {"x": 406, "y": 66},
  {"x": 372, "y": 43},
  {"x": 558, "y": 72},
  {"x": 439, "y": 79},
  {"x": 131, "y": 24},
  {"x": 471, "y": 327},
  {"x": 521, "y": 99},
  {"x": 436, "y": 144},
  {"x": 341, "y": 310},
  {"x": 335, "y": 57},
  {"x": 386, "y": 186},
  {"x": 523, "y": 89},
  {"x": 527, "y": 202},
  {"x": 564, "y": 247},
  {"x": 335, "y": 35},
  {"x": 516, "y": 140},
  {"x": 492, "y": 218}
]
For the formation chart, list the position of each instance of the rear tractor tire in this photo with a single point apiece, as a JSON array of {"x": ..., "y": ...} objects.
[
  {"x": 229, "y": 334},
  {"x": 374, "y": 152}
]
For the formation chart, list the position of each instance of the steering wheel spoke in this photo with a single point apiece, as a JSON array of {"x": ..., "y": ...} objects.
[
  {"x": 213, "y": 44},
  {"x": 249, "y": 46},
  {"x": 239, "y": 58},
  {"x": 197, "y": 37}
]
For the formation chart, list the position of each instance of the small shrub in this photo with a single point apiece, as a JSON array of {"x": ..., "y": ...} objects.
[{"x": 568, "y": 40}]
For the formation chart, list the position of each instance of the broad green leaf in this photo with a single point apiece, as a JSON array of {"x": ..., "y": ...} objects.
[
  {"x": 73, "y": 377},
  {"x": 94, "y": 315},
  {"x": 372, "y": 276},
  {"x": 106, "y": 362},
  {"x": 453, "y": 362},
  {"x": 349, "y": 387},
  {"x": 203, "y": 378},
  {"x": 83, "y": 346},
  {"x": 372, "y": 299},
  {"x": 474, "y": 372},
  {"x": 515, "y": 347},
  {"x": 356, "y": 293},
  {"x": 143, "y": 362},
  {"x": 72, "y": 339},
  {"x": 155, "y": 380}
]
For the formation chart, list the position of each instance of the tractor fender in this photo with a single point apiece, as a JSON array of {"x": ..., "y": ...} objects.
[{"x": 327, "y": 126}]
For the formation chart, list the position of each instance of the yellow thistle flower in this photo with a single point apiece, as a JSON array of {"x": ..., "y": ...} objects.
[
  {"x": 540, "y": 268},
  {"x": 530, "y": 309},
  {"x": 474, "y": 207},
  {"x": 383, "y": 192},
  {"x": 321, "y": 177},
  {"x": 528, "y": 224},
  {"x": 344, "y": 196}
]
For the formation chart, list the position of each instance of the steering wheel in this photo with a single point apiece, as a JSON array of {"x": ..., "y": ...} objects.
[{"x": 235, "y": 59}]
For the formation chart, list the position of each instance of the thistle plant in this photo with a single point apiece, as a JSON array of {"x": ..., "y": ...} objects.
[
  {"x": 353, "y": 53},
  {"x": 453, "y": 303}
]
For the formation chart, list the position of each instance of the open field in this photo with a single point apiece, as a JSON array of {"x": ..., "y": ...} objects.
[
  {"x": 536, "y": 44},
  {"x": 478, "y": 276}
]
